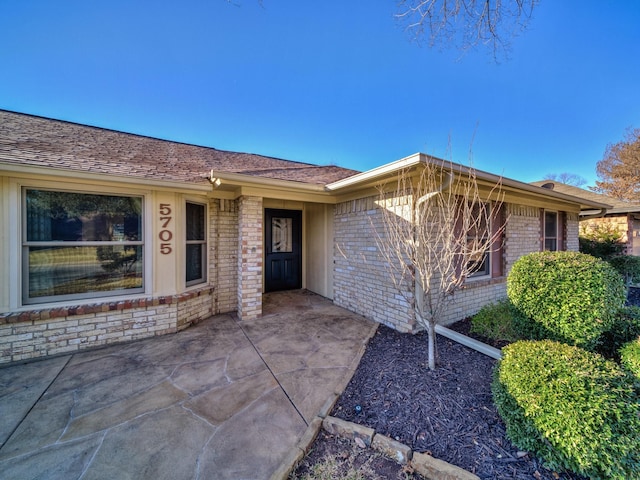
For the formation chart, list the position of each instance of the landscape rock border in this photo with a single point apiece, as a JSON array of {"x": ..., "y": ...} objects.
[{"x": 424, "y": 464}]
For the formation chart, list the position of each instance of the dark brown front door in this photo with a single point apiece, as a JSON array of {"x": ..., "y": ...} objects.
[{"x": 283, "y": 249}]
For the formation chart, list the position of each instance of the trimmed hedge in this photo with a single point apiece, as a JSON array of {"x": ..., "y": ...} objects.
[
  {"x": 630, "y": 357},
  {"x": 574, "y": 297},
  {"x": 572, "y": 408}
]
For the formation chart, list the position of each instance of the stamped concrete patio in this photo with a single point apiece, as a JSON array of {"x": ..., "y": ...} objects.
[{"x": 222, "y": 399}]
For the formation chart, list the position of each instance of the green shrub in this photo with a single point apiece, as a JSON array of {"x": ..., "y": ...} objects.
[
  {"x": 601, "y": 240},
  {"x": 628, "y": 266},
  {"x": 572, "y": 408},
  {"x": 625, "y": 328},
  {"x": 496, "y": 321},
  {"x": 574, "y": 297},
  {"x": 630, "y": 357}
]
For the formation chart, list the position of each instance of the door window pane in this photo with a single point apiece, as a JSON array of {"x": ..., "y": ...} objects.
[{"x": 281, "y": 235}]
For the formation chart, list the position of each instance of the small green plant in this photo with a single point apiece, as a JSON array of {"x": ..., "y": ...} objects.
[
  {"x": 630, "y": 357},
  {"x": 628, "y": 266},
  {"x": 572, "y": 296},
  {"x": 496, "y": 321},
  {"x": 602, "y": 240},
  {"x": 572, "y": 408},
  {"x": 625, "y": 328}
]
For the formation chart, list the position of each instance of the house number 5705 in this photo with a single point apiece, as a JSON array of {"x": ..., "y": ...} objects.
[{"x": 165, "y": 235}]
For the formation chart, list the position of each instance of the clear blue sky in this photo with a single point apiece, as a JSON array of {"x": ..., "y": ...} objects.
[{"x": 329, "y": 82}]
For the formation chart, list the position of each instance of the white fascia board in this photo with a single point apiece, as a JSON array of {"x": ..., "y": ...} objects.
[
  {"x": 10, "y": 169},
  {"x": 376, "y": 173},
  {"x": 379, "y": 173},
  {"x": 240, "y": 179}
]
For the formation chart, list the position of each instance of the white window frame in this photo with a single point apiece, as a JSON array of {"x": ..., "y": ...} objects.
[
  {"x": 19, "y": 296},
  {"x": 204, "y": 244},
  {"x": 483, "y": 274},
  {"x": 544, "y": 230}
]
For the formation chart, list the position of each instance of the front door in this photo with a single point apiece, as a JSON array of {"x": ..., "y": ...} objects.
[{"x": 283, "y": 249}]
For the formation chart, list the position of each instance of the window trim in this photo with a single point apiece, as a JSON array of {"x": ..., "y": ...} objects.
[
  {"x": 488, "y": 261},
  {"x": 24, "y": 245},
  {"x": 557, "y": 237},
  {"x": 203, "y": 243}
]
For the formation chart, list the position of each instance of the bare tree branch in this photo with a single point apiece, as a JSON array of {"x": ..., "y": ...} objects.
[{"x": 466, "y": 24}]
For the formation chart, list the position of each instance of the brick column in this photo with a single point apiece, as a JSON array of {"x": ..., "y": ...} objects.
[{"x": 250, "y": 258}]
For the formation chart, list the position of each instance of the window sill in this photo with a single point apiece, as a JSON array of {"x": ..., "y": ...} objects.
[{"x": 84, "y": 309}]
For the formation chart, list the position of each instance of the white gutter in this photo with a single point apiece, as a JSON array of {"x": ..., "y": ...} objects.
[
  {"x": 32, "y": 170},
  {"x": 237, "y": 179},
  {"x": 391, "y": 168}
]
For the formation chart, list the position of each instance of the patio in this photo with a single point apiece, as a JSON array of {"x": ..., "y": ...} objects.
[{"x": 222, "y": 399}]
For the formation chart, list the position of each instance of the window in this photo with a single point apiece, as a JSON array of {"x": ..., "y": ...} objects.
[
  {"x": 551, "y": 231},
  {"x": 78, "y": 245},
  {"x": 478, "y": 235},
  {"x": 196, "y": 254}
]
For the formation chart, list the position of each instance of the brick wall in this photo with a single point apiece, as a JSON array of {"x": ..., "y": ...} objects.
[
  {"x": 249, "y": 257},
  {"x": 41, "y": 333},
  {"x": 223, "y": 254},
  {"x": 573, "y": 227},
  {"x": 361, "y": 280}
]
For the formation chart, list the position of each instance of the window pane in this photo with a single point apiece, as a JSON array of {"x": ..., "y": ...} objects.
[
  {"x": 281, "y": 235},
  {"x": 550, "y": 244},
  {"x": 77, "y": 270},
  {"x": 195, "y": 262},
  {"x": 550, "y": 224},
  {"x": 67, "y": 216},
  {"x": 195, "y": 221}
]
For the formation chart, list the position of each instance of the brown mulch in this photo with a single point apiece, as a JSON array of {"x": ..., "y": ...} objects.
[{"x": 448, "y": 412}]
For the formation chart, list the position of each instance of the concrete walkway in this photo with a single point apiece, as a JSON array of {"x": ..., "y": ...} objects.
[{"x": 223, "y": 399}]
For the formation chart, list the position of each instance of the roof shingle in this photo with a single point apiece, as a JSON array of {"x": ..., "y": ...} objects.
[{"x": 37, "y": 141}]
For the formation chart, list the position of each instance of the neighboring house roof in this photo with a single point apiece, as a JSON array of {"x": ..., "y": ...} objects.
[
  {"x": 43, "y": 142},
  {"x": 617, "y": 206}
]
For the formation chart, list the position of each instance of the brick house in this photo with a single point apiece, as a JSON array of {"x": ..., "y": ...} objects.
[
  {"x": 621, "y": 216},
  {"x": 108, "y": 237}
]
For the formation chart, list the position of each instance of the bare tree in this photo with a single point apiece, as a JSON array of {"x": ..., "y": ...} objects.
[
  {"x": 438, "y": 231},
  {"x": 466, "y": 24},
  {"x": 567, "y": 178},
  {"x": 619, "y": 170}
]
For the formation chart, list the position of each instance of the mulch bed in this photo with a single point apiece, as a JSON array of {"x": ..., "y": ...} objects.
[{"x": 448, "y": 412}]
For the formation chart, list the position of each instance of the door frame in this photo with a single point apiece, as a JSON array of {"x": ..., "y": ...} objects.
[{"x": 296, "y": 254}]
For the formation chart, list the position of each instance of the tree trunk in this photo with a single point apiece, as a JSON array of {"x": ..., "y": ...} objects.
[{"x": 431, "y": 334}]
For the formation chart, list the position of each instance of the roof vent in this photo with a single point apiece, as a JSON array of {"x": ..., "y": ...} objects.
[{"x": 548, "y": 185}]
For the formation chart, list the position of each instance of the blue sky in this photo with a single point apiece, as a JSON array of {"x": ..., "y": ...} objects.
[{"x": 329, "y": 82}]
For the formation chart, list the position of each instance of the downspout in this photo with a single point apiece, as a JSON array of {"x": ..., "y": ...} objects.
[{"x": 446, "y": 184}]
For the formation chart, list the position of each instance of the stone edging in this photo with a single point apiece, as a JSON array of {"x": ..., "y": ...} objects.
[{"x": 424, "y": 464}]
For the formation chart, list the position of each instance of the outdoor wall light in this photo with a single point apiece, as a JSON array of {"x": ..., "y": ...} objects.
[{"x": 214, "y": 181}]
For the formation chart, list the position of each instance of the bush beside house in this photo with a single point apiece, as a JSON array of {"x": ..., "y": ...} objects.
[
  {"x": 572, "y": 407},
  {"x": 573, "y": 296}
]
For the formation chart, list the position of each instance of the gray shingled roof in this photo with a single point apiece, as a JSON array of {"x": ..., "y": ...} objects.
[
  {"x": 619, "y": 206},
  {"x": 37, "y": 141}
]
